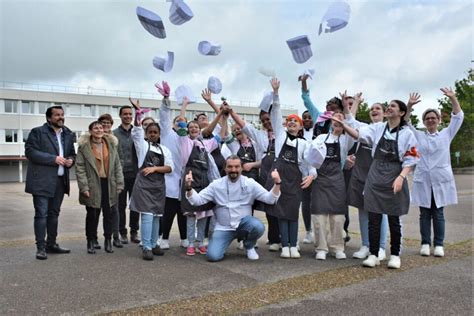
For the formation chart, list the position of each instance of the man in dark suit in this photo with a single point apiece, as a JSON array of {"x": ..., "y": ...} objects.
[{"x": 50, "y": 152}]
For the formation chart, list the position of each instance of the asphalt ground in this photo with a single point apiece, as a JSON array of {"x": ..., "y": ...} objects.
[{"x": 122, "y": 283}]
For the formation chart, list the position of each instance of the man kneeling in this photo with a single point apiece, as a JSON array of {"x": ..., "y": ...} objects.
[{"x": 234, "y": 196}]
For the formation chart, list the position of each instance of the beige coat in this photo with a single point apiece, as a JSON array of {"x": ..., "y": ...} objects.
[{"x": 88, "y": 176}]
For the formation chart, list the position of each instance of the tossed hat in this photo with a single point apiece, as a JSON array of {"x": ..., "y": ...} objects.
[
  {"x": 268, "y": 72},
  {"x": 300, "y": 47},
  {"x": 180, "y": 12},
  {"x": 266, "y": 102},
  {"x": 214, "y": 84},
  {"x": 208, "y": 48},
  {"x": 151, "y": 22},
  {"x": 310, "y": 72},
  {"x": 184, "y": 91},
  {"x": 164, "y": 63},
  {"x": 336, "y": 17}
]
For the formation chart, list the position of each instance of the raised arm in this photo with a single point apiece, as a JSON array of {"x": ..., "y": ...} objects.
[
  {"x": 358, "y": 99},
  {"x": 207, "y": 96},
  {"x": 308, "y": 104},
  {"x": 275, "y": 114},
  {"x": 207, "y": 132},
  {"x": 351, "y": 131},
  {"x": 457, "y": 117},
  {"x": 413, "y": 98}
]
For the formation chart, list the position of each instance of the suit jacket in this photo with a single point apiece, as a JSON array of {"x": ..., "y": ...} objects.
[{"x": 41, "y": 149}]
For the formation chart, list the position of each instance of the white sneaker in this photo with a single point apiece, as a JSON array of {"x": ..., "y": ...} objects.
[
  {"x": 164, "y": 244},
  {"x": 252, "y": 254},
  {"x": 382, "y": 254},
  {"x": 363, "y": 253},
  {"x": 184, "y": 243},
  {"x": 439, "y": 251},
  {"x": 241, "y": 245},
  {"x": 274, "y": 247},
  {"x": 394, "y": 262},
  {"x": 340, "y": 255},
  {"x": 285, "y": 252},
  {"x": 321, "y": 255},
  {"x": 298, "y": 245},
  {"x": 294, "y": 253},
  {"x": 205, "y": 242},
  {"x": 371, "y": 261},
  {"x": 425, "y": 250},
  {"x": 308, "y": 239}
]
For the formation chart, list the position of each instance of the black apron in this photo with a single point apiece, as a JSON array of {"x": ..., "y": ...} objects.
[
  {"x": 319, "y": 129},
  {"x": 378, "y": 191},
  {"x": 288, "y": 205},
  {"x": 265, "y": 168},
  {"x": 359, "y": 175},
  {"x": 246, "y": 155},
  {"x": 198, "y": 163},
  {"x": 219, "y": 160},
  {"x": 149, "y": 192},
  {"x": 329, "y": 189}
]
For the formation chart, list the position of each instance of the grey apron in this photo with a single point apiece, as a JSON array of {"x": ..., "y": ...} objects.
[
  {"x": 378, "y": 191},
  {"x": 198, "y": 163},
  {"x": 149, "y": 192},
  {"x": 246, "y": 155},
  {"x": 288, "y": 205},
  {"x": 329, "y": 189},
  {"x": 359, "y": 175}
]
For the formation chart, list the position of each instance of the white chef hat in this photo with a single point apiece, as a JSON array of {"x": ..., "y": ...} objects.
[
  {"x": 266, "y": 102},
  {"x": 164, "y": 63},
  {"x": 310, "y": 72},
  {"x": 268, "y": 72},
  {"x": 214, "y": 85},
  {"x": 151, "y": 22},
  {"x": 208, "y": 48},
  {"x": 300, "y": 47},
  {"x": 184, "y": 91},
  {"x": 180, "y": 12},
  {"x": 336, "y": 17}
]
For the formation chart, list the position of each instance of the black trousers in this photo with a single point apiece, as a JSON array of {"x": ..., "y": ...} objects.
[
  {"x": 122, "y": 206},
  {"x": 347, "y": 177},
  {"x": 273, "y": 229},
  {"x": 92, "y": 214},
  {"x": 115, "y": 220},
  {"x": 375, "y": 222},
  {"x": 172, "y": 208},
  {"x": 306, "y": 208}
]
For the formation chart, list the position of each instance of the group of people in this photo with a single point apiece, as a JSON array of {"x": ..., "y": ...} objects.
[{"x": 213, "y": 177}]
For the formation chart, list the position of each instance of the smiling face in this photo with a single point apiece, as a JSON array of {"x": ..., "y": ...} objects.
[
  {"x": 376, "y": 113},
  {"x": 233, "y": 168},
  {"x": 307, "y": 120},
  {"x": 293, "y": 126},
  {"x": 237, "y": 132},
  {"x": 107, "y": 126},
  {"x": 337, "y": 128},
  {"x": 153, "y": 133},
  {"x": 126, "y": 116},
  {"x": 147, "y": 121},
  {"x": 431, "y": 121},
  {"x": 393, "y": 111},
  {"x": 266, "y": 122},
  {"x": 96, "y": 131},
  {"x": 57, "y": 118},
  {"x": 193, "y": 129},
  {"x": 203, "y": 121}
]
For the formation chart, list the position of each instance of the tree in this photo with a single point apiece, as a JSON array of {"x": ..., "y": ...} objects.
[
  {"x": 462, "y": 143},
  {"x": 364, "y": 116}
]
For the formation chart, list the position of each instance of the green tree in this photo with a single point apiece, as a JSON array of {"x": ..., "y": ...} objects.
[
  {"x": 364, "y": 116},
  {"x": 462, "y": 143}
]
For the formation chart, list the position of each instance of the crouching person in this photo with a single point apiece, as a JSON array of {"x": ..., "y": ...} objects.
[{"x": 234, "y": 196}]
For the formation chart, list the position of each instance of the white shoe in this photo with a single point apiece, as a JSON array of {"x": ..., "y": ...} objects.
[
  {"x": 241, "y": 245},
  {"x": 308, "y": 239},
  {"x": 340, "y": 255},
  {"x": 371, "y": 261},
  {"x": 274, "y": 247},
  {"x": 184, "y": 243},
  {"x": 439, "y": 251},
  {"x": 285, "y": 252},
  {"x": 205, "y": 242},
  {"x": 294, "y": 253},
  {"x": 164, "y": 244},
  {"x": 382, "y": 254},
  {"x": 298, "y": 245},
  {"x": 363, "y": 253},
  {"x": 321, "y": 255},
  {"x": 252, "y": 254},
  {"x": 425, "y": 250},
  {"x": 394, "y": 262}
]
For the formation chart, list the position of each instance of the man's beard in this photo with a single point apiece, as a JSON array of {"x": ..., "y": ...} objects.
[
  {"x": 56, "y": 124},
  {"x": 233, "y": 175}
]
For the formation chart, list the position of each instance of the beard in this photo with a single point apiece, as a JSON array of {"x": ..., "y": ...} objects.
[
  {"x": 233, "y": 175},
  {"x": 58, "y": 123}
]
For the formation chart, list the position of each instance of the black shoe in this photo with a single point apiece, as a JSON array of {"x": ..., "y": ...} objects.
[
  {"x": 157, "y": 251},
  {"x": 123, "y": 239},
  {"x": 108, "y": 245},
  {"x": 56, "y": 249},
  {"x": 147, "y": 255},
  {"x": 117, "y": 243},
  {"x": 347, "y": 238},
  {"x": 95, "y": 244},
  {"x": 134, "y": 238},
  {"x": 90, "y": 247},
  {"x": 41, "y": 254}
]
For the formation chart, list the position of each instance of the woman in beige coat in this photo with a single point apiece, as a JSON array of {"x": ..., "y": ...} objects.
[{"x": 100, "y": 179}]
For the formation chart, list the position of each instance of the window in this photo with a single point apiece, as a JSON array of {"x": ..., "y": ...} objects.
[
  {"x": 42, "y": 107},
  {"x": 11, "y": 136},
  {"x": 10, "y": 106},
  {"x": 89, "y": 110},
  {"x": 102, "y": 109},
  {"x": 26, "y": 132},
  {"x": 115, "y": 111},
  {"x": 74, "y": 109},
  {"x": 27, "y": 107}
]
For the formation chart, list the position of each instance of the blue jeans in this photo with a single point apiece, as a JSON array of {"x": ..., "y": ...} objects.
[
  {"x": 150, "y": 228},
  {"x": 46, "y": 215},
  {"x": 191, "y": 229},
  {"x": 437, "y": 214},
  {"x": 364, "y": 229},
  {"x": 221, "y": 239},
  {"x": 288, "y": 232}
]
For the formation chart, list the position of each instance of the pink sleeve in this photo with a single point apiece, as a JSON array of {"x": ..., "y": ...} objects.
[
  {"x": 210, "y": 144},
  {"x": 186, "y": 145}
]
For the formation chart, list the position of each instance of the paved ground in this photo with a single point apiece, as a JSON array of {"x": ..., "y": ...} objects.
[{"x": 122, "y": 283}]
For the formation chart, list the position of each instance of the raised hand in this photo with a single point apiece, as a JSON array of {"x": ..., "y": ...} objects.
[
  {"x": 188, "y": 179},
  {"x": 343, "y": 95},
  {"x": 275, "y": 84},
  {"x": 275, "y": 176},
  {"x": 164, "y": 89},
  {"x": 358, "y": 98},
  {"x": 414, "y": 98},
  {"x": 448, "y": 92},
  {"x": 303, "y": 77},
  {"x": 135, "y": 104},
  {"x": 206, "y": 94}
]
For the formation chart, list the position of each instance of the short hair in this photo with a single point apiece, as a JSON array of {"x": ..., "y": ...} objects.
[
  {"x": 106, "y": 117},
  {"x": 123, "y": 108},
  {"x": 153, "y": 124},
  {"x": 49, "y": 111},
  {"x": 94, "y": 123},
  {"x": 233, "y": 157},
  {"x": 338, "y": 102},
  {"x": 436, "y": 112},
  {"x": 198, "y": 115}
]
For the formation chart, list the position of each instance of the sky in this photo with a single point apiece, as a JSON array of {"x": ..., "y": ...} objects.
[{"x": 388, "y": 49}]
